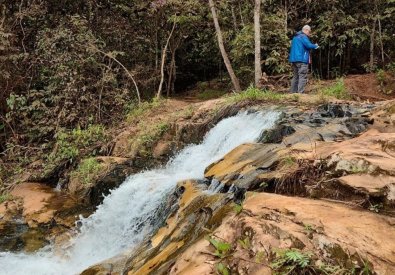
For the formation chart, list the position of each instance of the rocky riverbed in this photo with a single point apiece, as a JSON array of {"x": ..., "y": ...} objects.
[{"x": 319, "y": 186}]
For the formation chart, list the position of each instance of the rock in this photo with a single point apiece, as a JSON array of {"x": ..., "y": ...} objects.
[
  {"x": 113, "y": 171},
  {"x": 35, "y": 216},
  {"x": 197, "y": 210},
  {"x": 276, "y": 135},
  {"x": 332, "y": 232},
  {"x": 331, "y": 110}
]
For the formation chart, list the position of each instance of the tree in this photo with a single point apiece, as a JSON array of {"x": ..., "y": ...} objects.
[
  {"x": 233, "y": 77},
  {"x": 257, "y": 31}
]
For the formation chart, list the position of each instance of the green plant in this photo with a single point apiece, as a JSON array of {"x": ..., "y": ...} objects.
[
  {"x": 308, "y": 228},
  {"x": 222, "y": 269},
  {"x": 263, "y": 185},
  {"x": 255, "y": 94},
  {"x": 291, "y": 261},
  {"x": 87, "y": 170},
  {"x": 246, "y": 243},
  {"x": 154, "y": 133},
  {"x": 135, "y": 111},
  {"x": 337, "y": 90},
  {"x": 238, "y": 208},
  {"x": 222, "y": 249},
  {"x": 72, "y": 144},
  {"x": 289, "y": 160},
  {"x": 210, "y": 94},
  {"x": 376, "y": 207},
  {"x": 380, "y": 76},
  {"x": 5, "y": 197}
]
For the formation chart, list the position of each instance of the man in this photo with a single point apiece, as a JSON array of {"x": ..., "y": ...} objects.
[{"x": 300, "y": 59}]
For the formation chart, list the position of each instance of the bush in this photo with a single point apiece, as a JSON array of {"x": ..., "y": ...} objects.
[
  {"x": 71, "y": 144},
  {"x": 87, "y": 171}
]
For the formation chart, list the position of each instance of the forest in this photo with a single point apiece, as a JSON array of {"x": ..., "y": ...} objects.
[{"x": 76, "y": 65}]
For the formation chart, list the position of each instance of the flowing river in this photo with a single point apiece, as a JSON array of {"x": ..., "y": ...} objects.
[{"x": 135, "y": 209}]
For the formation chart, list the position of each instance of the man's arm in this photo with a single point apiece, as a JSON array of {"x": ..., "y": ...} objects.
[{"x": 306, "y": 42}]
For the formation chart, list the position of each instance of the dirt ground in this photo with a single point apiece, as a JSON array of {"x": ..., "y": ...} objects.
[{"x": 366, "y": 87}]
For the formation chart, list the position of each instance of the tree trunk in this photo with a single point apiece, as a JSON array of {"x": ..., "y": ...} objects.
[
  {"x": 234, "y": 16},
  {"x": 235, "y": 80},
  {"x": 381, "y": 41},
  {"x": 162, "y": 68},
  {"x": 172, "y": 73},
  {"x": 372, "y": 38},
  {"x": 257, "y": 30}
]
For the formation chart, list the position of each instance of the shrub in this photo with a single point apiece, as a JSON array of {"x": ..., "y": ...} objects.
[
  {"x": 70, "y": 144},
  {"x": 87, "y": 171}
]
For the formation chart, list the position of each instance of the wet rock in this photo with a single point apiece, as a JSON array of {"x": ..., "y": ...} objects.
[
  {"x": 197, "y": 211},
  {"x": 332, "y": 110},
  {"x": 35, "y": 216},
  {"x": 113, "y": 171},
  {"x": 277, "y": 134}
]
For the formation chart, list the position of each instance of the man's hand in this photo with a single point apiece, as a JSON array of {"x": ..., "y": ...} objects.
[{"x": 317, "y": 46}]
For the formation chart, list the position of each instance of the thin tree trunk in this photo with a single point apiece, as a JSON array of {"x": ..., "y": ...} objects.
[
  {"x": 381, "y": 41},
  {"x": 372, "y": 37},
  {"x": 235, "y": 80},
  {"x": 172, "y": 72},
  {"x": 162, "y": 69},
  {"x": 124, "y": 68},
  {"x": 257, "y": 30},
  {"x": 234, "y": 16}
]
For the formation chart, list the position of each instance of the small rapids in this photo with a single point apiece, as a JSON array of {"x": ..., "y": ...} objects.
[{"x": 131, "y": 212}]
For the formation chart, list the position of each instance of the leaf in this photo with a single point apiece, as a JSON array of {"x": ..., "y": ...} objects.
[{"x": 222, "y": 269}]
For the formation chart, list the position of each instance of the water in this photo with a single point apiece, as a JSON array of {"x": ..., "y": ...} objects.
[{"x": 132, "y": 211}]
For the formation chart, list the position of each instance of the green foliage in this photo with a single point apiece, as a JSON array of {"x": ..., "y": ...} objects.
[
  {"x": 291, "y": 261},
  {"x": 136, "y": 111},
  {"x": 222, "y": 269},
  {"x": 222, "y": 249},
  {"x": 238, "y": 208},
  {"x": 153, "y": 134},
  {"x": 70, "y": 144},
  {"x": 210, "y": 94},
  {"x": 337, "y": 90},
  {"x": 376, "y": 207},
  {"x": 255, "y": 94},
  {"x": 245, "y": 243},
  {"x": 87, "y": 171},
  {"x": 5, "y": 197},
  {"x": 289, "y": 161},
  {"x": 380, "y": 75}
]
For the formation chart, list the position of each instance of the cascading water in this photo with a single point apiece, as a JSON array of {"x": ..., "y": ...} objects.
[{"x": 131, "y": 212}]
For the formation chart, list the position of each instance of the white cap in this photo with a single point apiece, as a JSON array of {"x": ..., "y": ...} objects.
[{"x": 306, "y": 27}]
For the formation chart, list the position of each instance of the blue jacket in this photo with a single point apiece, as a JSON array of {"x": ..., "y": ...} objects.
[{"x": 300, "y": 48}]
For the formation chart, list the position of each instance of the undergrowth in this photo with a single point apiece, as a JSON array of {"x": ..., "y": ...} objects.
[
  {"x": 337, "y": 90},
  {"x": 135, "y": 111},
  {"x": 72, "y": 144},
  {"x": 210, "y": 94},
  {"x": 5, "y": 197},
  {"x": 255, "y": 94},
  {"x": 87, "y": 171}
]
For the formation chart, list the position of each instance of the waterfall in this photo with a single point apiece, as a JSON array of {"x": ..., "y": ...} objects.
[{"x": 131, "y": 212}]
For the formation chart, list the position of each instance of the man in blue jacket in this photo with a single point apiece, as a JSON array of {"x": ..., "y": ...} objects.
[{"x": 300, "y": 59}]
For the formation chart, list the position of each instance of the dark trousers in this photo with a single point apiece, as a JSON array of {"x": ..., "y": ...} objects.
[{"x": 299, "y": 80}]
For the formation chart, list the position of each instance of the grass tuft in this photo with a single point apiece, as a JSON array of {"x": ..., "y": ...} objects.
[
  {"x": 255, "y": 94},
  {"x": 337, "y": 90}
]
